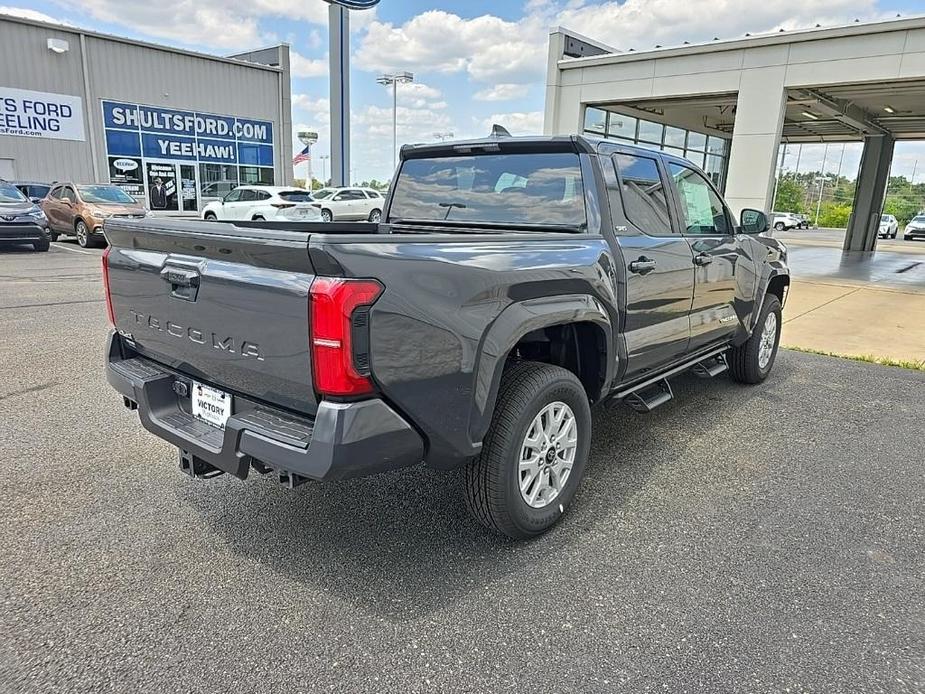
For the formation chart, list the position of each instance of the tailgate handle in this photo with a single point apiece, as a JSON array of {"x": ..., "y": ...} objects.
[{"x": 184, "y": 284}]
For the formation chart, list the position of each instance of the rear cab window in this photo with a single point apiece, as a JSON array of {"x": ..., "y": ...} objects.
[{"x": 516, "y": 190}]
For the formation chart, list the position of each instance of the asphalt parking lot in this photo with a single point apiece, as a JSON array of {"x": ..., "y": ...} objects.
[{"x": 765, "y": 539}]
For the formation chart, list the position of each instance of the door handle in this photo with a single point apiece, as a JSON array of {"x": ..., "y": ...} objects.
[
  {"x": 642, "y": 266},
  {"x": 703, "y": 259}
]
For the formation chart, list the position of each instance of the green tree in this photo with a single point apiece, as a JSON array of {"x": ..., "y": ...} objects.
[
  {"x": 834, "y": 215},
  {"x": 789, "y": 195}
]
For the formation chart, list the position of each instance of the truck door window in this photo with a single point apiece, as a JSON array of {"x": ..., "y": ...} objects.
[
  {"x": 643, "y": 192},
  {"x": 702, "y": 209}
]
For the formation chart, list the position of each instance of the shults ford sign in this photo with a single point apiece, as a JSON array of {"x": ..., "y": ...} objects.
[
  {"x": 135, "y": 130},
  {"x": 26, "y": 113}
]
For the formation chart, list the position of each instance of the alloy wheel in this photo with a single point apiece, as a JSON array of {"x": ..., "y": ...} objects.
[
  {"x": 547, "y": 454},
  {"x": 768, "y": 339}
]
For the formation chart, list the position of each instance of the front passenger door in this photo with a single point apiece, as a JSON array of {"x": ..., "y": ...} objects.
[
  {"x": 658, "y": 277},
  {"x": 711, "y": 234}
]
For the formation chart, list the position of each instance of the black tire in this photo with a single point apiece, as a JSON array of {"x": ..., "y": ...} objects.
[
  {"x": 259, "y": 218},
  {"x": 375, "y": 216},
  {"x": 210, "y": 217},
  {"x": 41, "y": 246},
  {"x": 779, "y": 226},
  {"x": 84, "y": 236},
  {"x": 327, "y": 216},
  {"x": 744, "y": 362},
  {"x": 492, "y": 479},
  {"x": 53, "y": 235}
]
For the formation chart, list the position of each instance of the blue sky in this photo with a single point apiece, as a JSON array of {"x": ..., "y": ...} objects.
[{"x": 475, "y": 62}]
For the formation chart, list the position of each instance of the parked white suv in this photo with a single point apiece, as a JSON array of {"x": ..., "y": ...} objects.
[
  {"x": 889, "y": 226},
  {"x": 785, "y": 220},
  {"x": 342, "y": 204},
  {"x": 263, "y": 203}
]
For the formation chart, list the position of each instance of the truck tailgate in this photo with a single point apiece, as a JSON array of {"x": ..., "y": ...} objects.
[{"x": 220, "y": 303}]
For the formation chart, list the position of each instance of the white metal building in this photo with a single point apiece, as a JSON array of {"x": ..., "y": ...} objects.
[
  {"x": 728, "y": 105},
  {"x": 77, "y": 105}
]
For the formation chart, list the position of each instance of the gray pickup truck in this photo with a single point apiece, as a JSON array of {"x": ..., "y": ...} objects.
[{"x": 512, "y": 284}]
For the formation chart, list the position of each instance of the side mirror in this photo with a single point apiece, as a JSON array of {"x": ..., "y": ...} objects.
[{"x": 754, "y": 221}]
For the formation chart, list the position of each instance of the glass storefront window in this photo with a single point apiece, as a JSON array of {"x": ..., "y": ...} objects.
[
  {"x": 256, "y": 175},
  {"x": 621, "y": 126},
  {"x": 696, "y": 141},
  {"x": 650, "y": 132},
  {"x": 714, "y": 168},
  {"x": 717, "y": 145},
  {"x": 595, "y": 120},
  {"x": 695, "y": 157},
  {"x": 217, "y": 180},
  {"x": 676, "y": 151},
  {"x": 675, "y": 137}
]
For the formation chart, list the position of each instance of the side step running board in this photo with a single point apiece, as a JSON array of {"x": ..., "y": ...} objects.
[
  {"x": 649, "y": 398},
  {"x": 710, "y": 368}
]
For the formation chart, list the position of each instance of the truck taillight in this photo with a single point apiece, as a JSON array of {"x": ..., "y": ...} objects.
[
  {"x": 109, "y": 313},
  {"x": 336, "y": 317}
]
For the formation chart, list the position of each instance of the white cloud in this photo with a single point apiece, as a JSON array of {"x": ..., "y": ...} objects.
[
  {"x": 518, "y": 123},
  {"x": 234, "y": 24},
  {"x": 491, "y": 49},
  {"x": 502, "y": 92},
  {"x": 485, "y": 47},
  {"x": 300, "y": 66},
  {"x": 642, "y": 24},
  {"x": 26, "y": 13}
]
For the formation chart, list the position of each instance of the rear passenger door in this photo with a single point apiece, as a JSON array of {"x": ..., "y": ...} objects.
[
  {"x": 658, "y": 277},
  {"x": 708, "y": 228}
]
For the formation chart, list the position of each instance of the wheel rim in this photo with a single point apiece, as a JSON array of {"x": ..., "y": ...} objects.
[
  {"x": 375, "y": 216},
  {"x": 768, "y": 338},
  {"x": 81, "y": 233},
  {"x": 547, "y": 454},
  {"x": 326, "y": 216}
]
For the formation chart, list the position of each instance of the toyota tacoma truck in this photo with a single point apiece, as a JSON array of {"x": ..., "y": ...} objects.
[{"x": 511, "y": 284}]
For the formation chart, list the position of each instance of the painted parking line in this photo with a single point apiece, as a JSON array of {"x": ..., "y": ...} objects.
[{"x": 73, "y": 250}]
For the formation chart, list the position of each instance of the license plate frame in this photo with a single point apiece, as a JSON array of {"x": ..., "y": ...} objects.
[{"x": 210, "y": 405}]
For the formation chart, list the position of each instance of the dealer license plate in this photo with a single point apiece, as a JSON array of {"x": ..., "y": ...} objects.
[{"x": 211, "y": 405}]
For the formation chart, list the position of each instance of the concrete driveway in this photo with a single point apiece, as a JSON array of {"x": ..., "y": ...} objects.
[{"x": 764, "y": 539}]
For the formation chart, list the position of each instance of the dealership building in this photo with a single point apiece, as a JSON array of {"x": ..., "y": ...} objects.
[
  {"x": 729, "y": 105},
  {"x": 91, "y": 108}
]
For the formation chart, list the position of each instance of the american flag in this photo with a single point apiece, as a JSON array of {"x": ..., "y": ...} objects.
[{"x": 304, "y": 155}]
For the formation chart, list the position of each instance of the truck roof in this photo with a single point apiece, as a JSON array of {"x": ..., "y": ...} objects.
[{"x": 528, "y": 143}]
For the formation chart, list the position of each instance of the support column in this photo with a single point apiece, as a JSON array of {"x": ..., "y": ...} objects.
[
  {"x": 756, "y": 135},
  {"x": 339, "y": 61},
  {"x": 553, "y": 77},
  {"x": 870, "y": 193}
]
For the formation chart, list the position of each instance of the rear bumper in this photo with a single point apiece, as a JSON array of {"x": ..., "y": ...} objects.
[
  {"x": 23, "y": 232},
  {"x": 343, "y": 440}
]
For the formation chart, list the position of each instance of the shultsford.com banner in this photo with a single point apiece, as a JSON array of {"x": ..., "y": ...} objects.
[{"x": 41, "y": 114}]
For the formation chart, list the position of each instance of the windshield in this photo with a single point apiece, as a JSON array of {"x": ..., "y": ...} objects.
[
  {"x": 296, "y": 196},
  {"x": 920, "y": 219},
  {"x": 105, "y": 195},
  {"x": 885, "y": 218},
  {"x": 514, "y": 189},
  {"x": 10, "y": 193},
  {"x": 323, "y": 193}
]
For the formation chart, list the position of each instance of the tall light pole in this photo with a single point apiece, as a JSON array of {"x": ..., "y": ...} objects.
[
  {"x": 394, "y": 79},
  {"x": 308, "y": 138},
  {"x": 821, "y": 180},
  {"x": 324, "y": 168}
]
